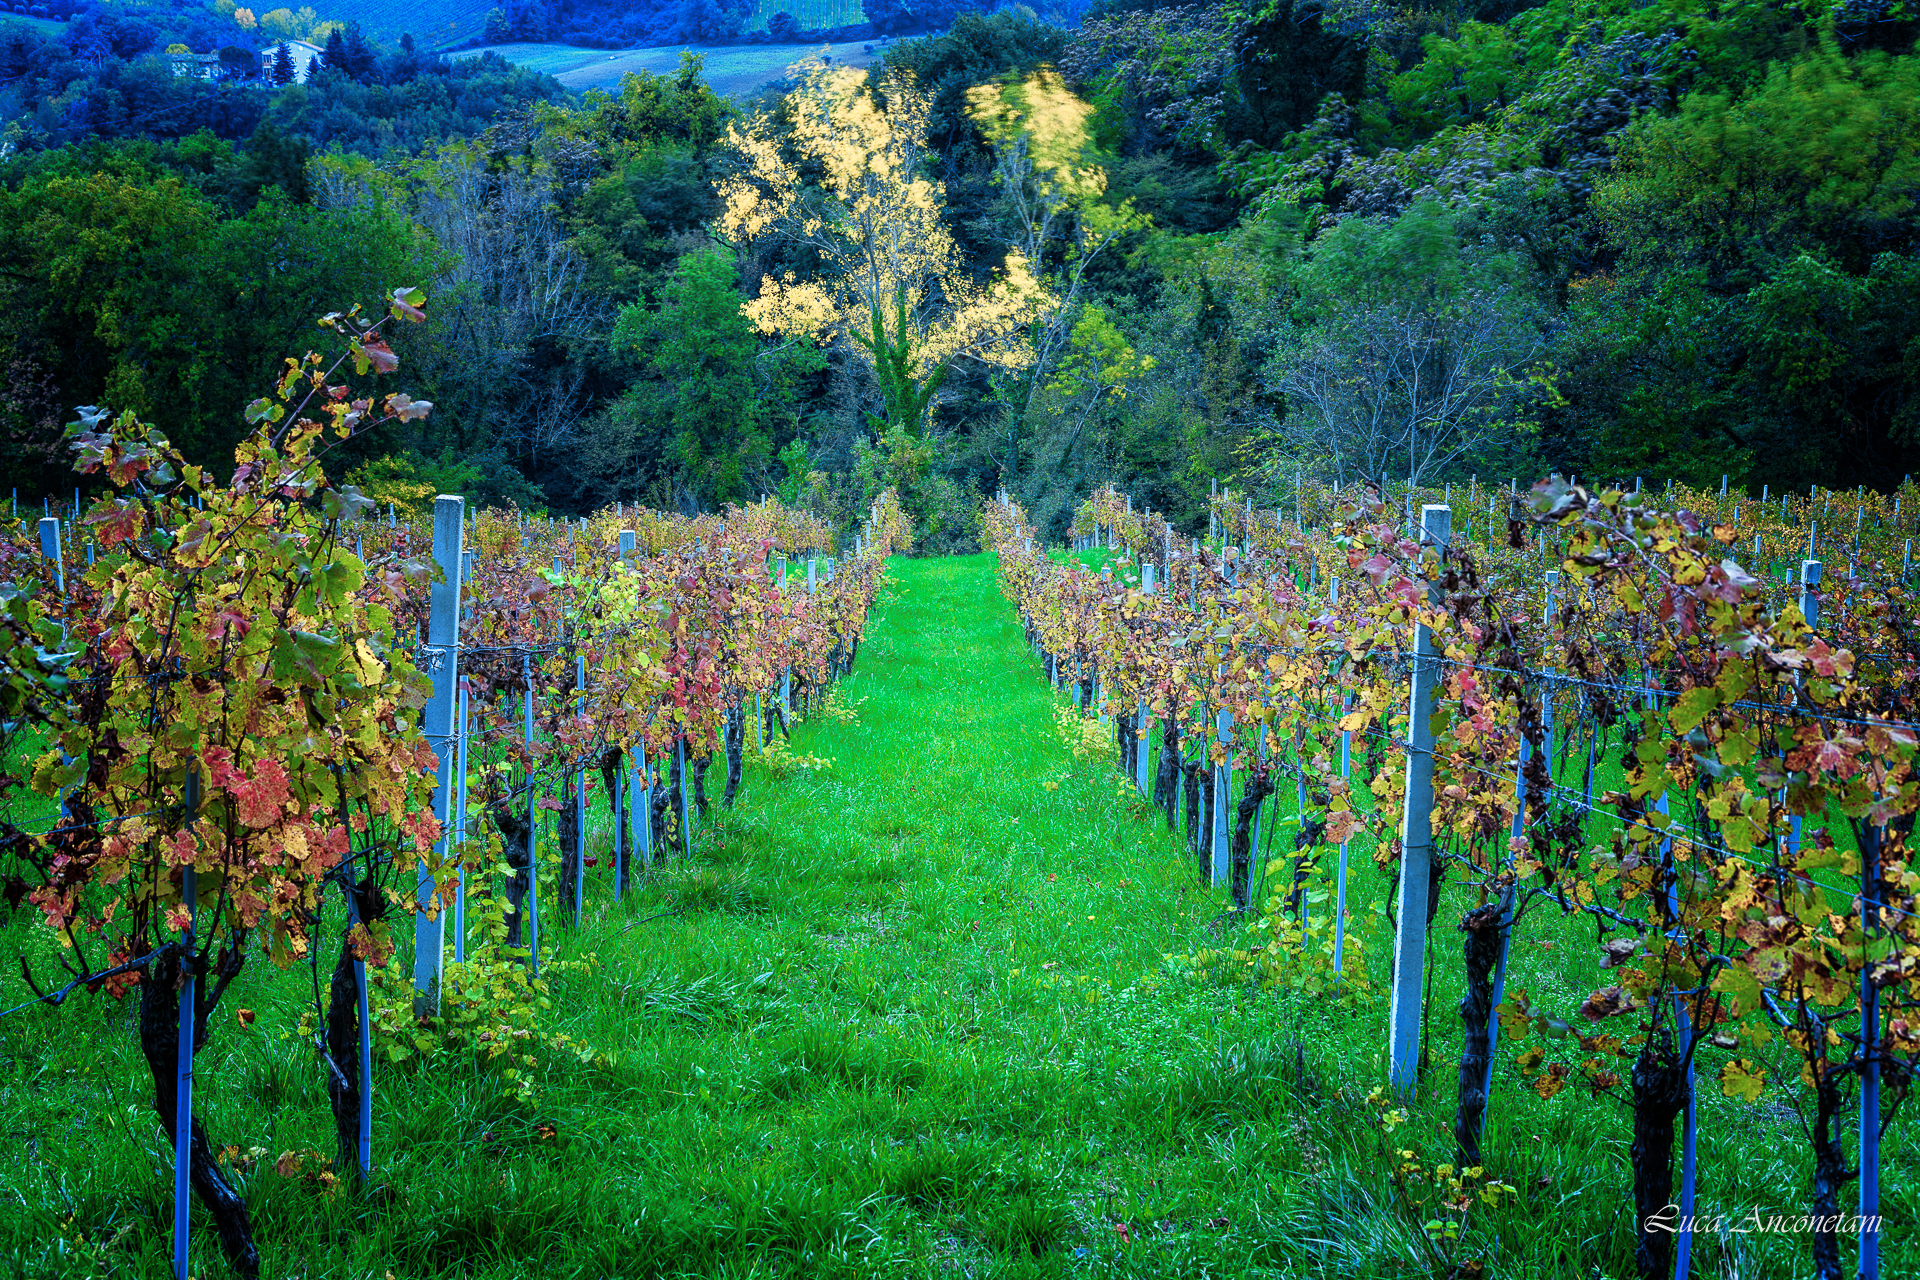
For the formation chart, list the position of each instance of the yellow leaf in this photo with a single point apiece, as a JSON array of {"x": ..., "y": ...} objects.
[{"x": 1743, "y": 1080}]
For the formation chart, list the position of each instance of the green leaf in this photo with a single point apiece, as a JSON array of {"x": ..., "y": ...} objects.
[
  {"x": 1692, "y": 708},
  {"x": 1741, "y": 986}
]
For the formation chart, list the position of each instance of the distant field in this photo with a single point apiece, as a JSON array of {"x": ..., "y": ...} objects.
[
  {"x": 42, "y": 26},
  {"x": 813, "y": 15},
  {"x": 439, "y": 23},
  {"x": 732, "y": 70},
  {"x": 434, "y": 24}
]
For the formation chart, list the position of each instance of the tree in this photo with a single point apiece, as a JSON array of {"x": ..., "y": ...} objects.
[
  {"x": 1287, "y": 64},
  {"x": 1053, "y": 192},
  {"x": 237, "y": 63},
  {"x": 1412, "y": 354},
  {"x": 891, "y": 282},
  {"x": 1824, "y": 151},
  {"x": 498, "y": 29},
  {"x": 362, "y": 62},
  {"x": 283, "y": 69},
  {"x": 710, "y": 397},
  {"x": 336, "y": 58}
]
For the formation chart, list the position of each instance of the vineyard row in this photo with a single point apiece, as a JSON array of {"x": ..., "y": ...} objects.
[{"x": 1577, "y": 703}]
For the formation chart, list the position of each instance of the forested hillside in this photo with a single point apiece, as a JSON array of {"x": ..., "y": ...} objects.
[{"x": 1170, "y": 245}]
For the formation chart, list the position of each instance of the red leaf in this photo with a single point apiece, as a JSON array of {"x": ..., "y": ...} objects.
[
  {"x": 380, "y": 355},
  {"x": 117, "y": 523}
]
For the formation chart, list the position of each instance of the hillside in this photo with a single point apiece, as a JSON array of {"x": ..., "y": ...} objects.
[
  {"x": 812, "y": 15},
  {"x": 39, "y": 26},
  {"x": 732, "y": 70},
  {"x": 434, "y": 24}
]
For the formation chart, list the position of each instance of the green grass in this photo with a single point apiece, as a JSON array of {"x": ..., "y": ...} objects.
[
  {"x": 731, "y": 70},
  {"x": 914, "y": 1017},
  {"x": 46, "y": 27}
]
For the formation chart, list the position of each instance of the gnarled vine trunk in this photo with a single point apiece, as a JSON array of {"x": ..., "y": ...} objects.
[
  {"x": 1659, "y": 1095},
  {"x": 699, "y": 765},
  {"x": 160, "y": 1043},
  {"x": 1200, "y": 811},
  {"x": 1166, "y": 781},
  {"x": 1830, "y": 1171},
  {"x": 515, "y": 830},
  {"x": 612, "y": 768},
  {"x": 1259, "y": 787},
  {"x": 570, "y": 841},
  {"x": 1484, "y": 935},
  {"x": 736, "y": 745},
  {"x": 343, "y": 1031}
]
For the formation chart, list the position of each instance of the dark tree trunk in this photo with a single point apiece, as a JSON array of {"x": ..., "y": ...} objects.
[
  {"x": 343, "y": 1032},
  {"x": 1484, "y": 937},
  {"x": 1659, "y": 1094},
  {"x": 661, "y": 801},
  {"x": 699, "y": 765},
  {"x": 570, "y": 842},
  {"x": 1166, "y": 780},
  {"x": 1830, "y": 1171},
  {"x": 515, "y": 830},
  {"x": 736, "y": 749},
  {"x": 1200, "y": 802},
  {"x": 160, "y": 1042},
  {"x": 1259, "y": 787},
  {"x": 1128, "y": 741},
  {"x": 1190, "y": 808},
  {"x": 612, "y": 773}
]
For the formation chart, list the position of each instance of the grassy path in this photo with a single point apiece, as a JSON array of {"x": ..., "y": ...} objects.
[{"x": 912, "y": 1014}]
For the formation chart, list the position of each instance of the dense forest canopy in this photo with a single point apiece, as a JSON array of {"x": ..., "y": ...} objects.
[{"x": 1177, "y": 243}]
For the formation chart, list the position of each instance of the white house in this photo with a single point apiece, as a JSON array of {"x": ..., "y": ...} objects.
[{"x": 304, "y": 56}]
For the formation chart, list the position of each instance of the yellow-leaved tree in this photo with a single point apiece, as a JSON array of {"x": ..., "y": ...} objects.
[
  {"x": 891, "y": 280},
  {"x": 1054, "y": 193}
]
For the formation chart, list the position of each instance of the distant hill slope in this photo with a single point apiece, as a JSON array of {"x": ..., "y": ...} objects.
[
  {"x": 732, "y": 70},
  {"x": 40, "y": 26},
  {"x": 434, "y": 24},
  {"x": 437, "y": 24},
  {"x": 812, "y": 15}
]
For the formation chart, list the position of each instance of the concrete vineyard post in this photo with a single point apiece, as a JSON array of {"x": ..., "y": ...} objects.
[
  {"x": 1416, "y": 837},
  {"x": 533, "y": 829},
  {"x": 1340, "y": 889},
  {"x": 50, "y": 550},
  {"x": 640, "y": 805},
  {"x": 460, "y": 829},
  {"x": 1143, "y": 745},
  {"x": 786, "y": 672},
  {"x": 189, "y": 1001},
  {"x": 580, "y": 803},
  {"x": 1810, "y": 571},
  {"x": 619, "y": 829},
  {"x": 1220, "y": 820},
  {"x": 1869, "y": 1135},
  {"x": 686, "y": 822},
  {"x": 443, "y": 651},
  {"x": 1690, "y": 1132}
]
